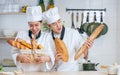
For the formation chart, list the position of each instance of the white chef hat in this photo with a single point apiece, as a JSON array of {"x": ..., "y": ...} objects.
[
  {"x": 34, "y": 13},
  {"x": 51, "y": 15}
]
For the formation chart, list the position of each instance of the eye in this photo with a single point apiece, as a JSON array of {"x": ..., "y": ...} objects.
[{"x": 31, "y": 25}]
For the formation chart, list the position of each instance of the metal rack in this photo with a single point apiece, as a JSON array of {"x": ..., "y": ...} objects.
[{"x": 67, "y": 9}]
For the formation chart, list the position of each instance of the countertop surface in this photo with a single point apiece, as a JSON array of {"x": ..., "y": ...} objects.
[{"x": 67, "y": 73}]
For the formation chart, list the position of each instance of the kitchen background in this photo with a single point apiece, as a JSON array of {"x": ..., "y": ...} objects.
[{"x": 105, "y": 49}]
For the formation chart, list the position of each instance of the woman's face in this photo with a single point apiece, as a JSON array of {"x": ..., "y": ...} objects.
[
  {"x": 35, "y": 27},
  {"x": 56, "y": 26}
]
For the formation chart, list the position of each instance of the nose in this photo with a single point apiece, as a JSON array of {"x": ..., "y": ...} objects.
[
  {"x": 57, "y": 24},
  {"x": 34, "y": 27}
]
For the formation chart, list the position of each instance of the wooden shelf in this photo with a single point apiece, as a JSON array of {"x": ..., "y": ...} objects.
[{"x": 12, "y": 13}]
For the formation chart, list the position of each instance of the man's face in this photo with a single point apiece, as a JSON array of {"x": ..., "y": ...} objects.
[
  {"x": 56, "y": 26},
  {"x": 35, "y": 27}
]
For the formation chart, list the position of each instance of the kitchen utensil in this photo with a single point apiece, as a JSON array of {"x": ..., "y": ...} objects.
[
  {"x": 92, "y": 26},
  {"x": 80, "y": 30},
  {"x": 85, "y": 25},
  {"x": 104, "y": 31},
  {"x": 77, "y": 16},
  {"x": 89, "y": 66},
  {"x": 72, "y": 19},
  {"x": 9, "y": 33}
]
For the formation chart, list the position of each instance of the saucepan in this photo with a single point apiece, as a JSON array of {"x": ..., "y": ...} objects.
[{"x": 89, "y": 66}]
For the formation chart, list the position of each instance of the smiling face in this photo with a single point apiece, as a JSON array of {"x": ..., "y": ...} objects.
[
  {"x": 56, "y": 26},
  {"x": 35, "y": 27}
]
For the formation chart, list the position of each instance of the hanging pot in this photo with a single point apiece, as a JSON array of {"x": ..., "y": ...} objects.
[
  {"x": 92, "y": 26},
  {"x": 85, "y": 25},
  {"x": 105, "y": 29},
  {"x": 89, "y": 66}
]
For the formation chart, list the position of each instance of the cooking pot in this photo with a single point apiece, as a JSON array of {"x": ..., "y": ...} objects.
[
  {"x": 85, "y": 25},
  {"x": 105, "y": 29},
  {"x": 89, "y": 66},
  {"x": 92, "y": 26}
]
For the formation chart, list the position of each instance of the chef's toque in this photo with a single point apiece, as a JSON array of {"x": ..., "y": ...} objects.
[
  {"x": 51, "y": 15},
  {"x": 34, "y": 13}
]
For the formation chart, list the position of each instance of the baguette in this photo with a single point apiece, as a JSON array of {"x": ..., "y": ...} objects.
[
  {"x": 16, "y": 44},
  {"x": 34, "y": 44},
  {"x": 92, "y": 37},
  {"x": 23, "y": 42},
  {"x": 39, "y": 46},
  {"x": 61, "y": 47}
]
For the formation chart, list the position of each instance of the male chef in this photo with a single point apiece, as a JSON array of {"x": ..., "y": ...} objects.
[{"x": 70, "y": 37}]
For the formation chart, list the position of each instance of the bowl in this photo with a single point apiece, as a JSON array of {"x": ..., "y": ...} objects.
[{"x": 9, "y": 33}]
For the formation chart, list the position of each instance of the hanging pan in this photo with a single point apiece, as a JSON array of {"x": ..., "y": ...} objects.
[
  {"x": 105, "y": 29},
  {"x": 85, "y": 25},
  {"x": 92, "y": 26}
]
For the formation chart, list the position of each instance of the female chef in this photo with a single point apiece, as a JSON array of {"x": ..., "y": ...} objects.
[{"x": 44, "y": 63}]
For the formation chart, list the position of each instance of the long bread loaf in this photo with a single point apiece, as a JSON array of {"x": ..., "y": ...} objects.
[
  {"x": 16, "y": 44},
  {"x": 23, "y": 42},
  {"x": 34, "y": 44},
  {"x": 39, "y": 46},
  {"x": 92, "y": 37},
  {"x": 61, "y": 47}
]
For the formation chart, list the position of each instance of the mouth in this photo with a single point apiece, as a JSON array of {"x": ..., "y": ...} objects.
[
  {"x": 59, "y": 29},
  {"x": 35, "y": 32}
]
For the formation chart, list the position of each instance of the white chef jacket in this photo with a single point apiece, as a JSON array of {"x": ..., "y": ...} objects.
[
  {"x": 73, "y": 42},
  {"x": 43, "y": 40}
]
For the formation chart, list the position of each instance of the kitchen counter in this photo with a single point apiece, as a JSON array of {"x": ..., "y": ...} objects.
[{"x": 67, "y": 73}]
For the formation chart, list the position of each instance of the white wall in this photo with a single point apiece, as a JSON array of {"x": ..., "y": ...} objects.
[
  {"x": 118, "y": 31},
  {"x": 105, "y": 48}
]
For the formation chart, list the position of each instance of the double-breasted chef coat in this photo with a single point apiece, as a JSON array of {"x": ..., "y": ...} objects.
[{"x": 44, "y": 41}]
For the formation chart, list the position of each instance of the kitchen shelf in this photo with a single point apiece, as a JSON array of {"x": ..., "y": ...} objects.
[
  {"x": 12, "y": 13},
  {"x": 3, "y": 37}
]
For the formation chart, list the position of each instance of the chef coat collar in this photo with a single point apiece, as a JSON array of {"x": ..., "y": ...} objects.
[{"x": 31, "y": 35}]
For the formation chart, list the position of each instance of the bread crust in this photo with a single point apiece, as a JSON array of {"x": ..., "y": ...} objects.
[
  {"x": 61, "y": 47},
  {"x": 16, "y": 44},
  {"x": 92, "y": 37}
]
